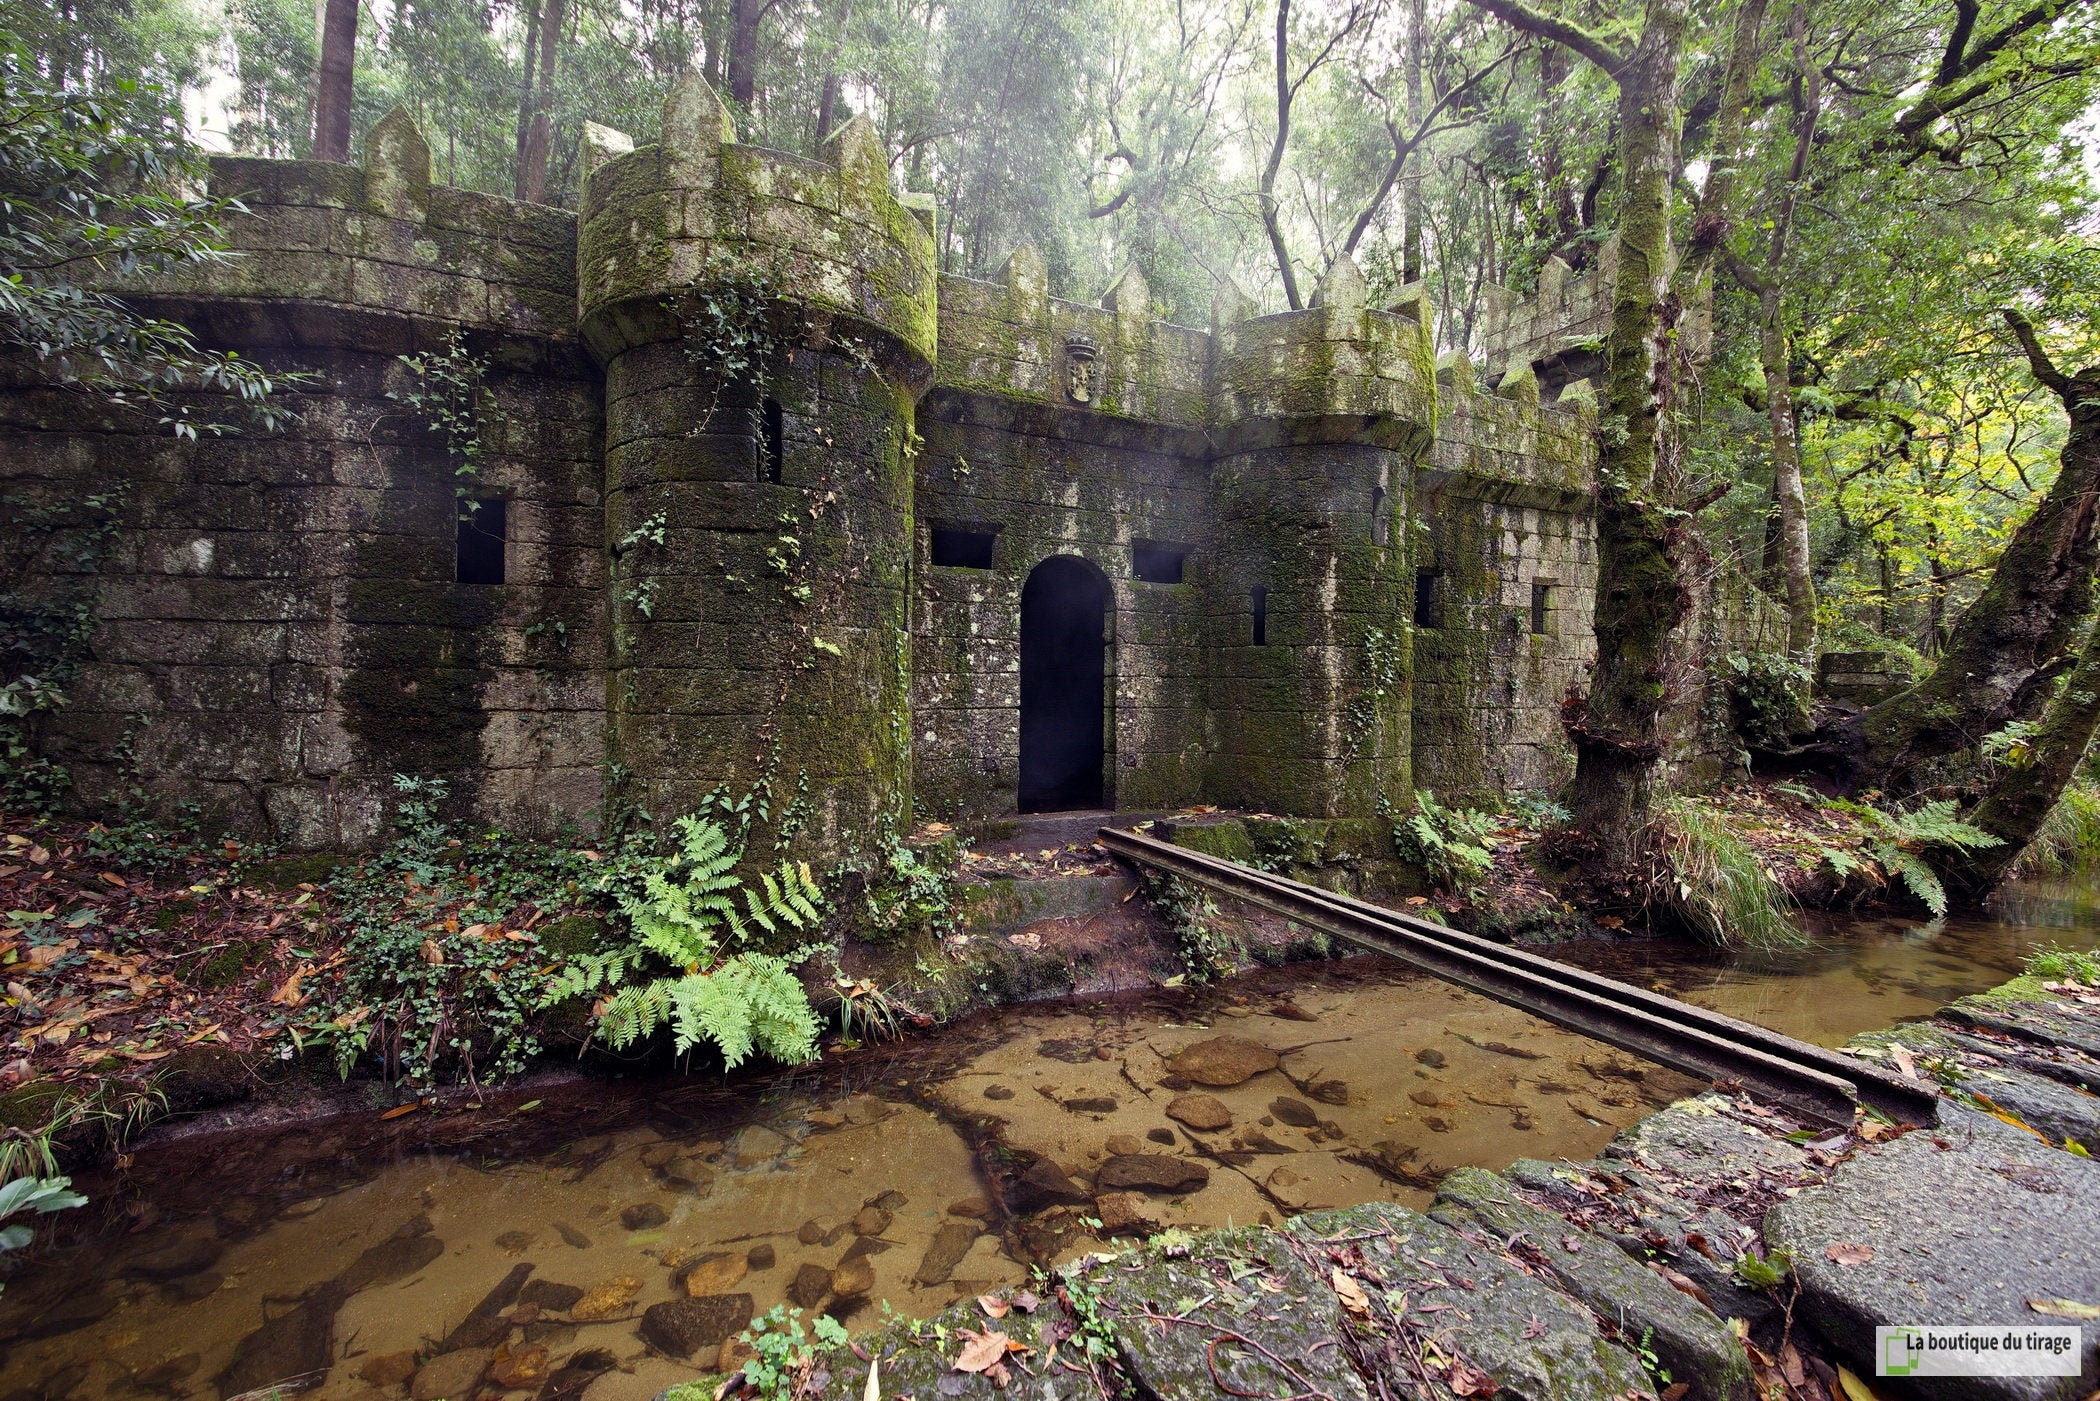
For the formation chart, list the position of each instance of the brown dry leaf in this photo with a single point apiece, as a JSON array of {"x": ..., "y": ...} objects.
[
  {"x": 2064, "y": 1308},
  {"x": 1847, "y": 1252},
  {"x": 288, "y": 994},
  {"x": 1465, "y": 1379},
  {"x": 1873, "y": 1130},
  {"x": 1352, "y": 1294},
  {"x": 993, "y": 1305},
  {"x": 873, "y": 1391},
  {"x": 1854, "y": 1388},
  {"x": 1905, "y": 1061},
  {"x": 398, "y": 1110},
  {"x": 981, "y": 1350},
  {"x": 432, "y": 954}
]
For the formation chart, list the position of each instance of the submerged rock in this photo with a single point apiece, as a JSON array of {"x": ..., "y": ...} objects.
[
  {"x": 191, "y": 1255},
  {"x": 451, "y": 1375},
  {"x": 1154, "y": 1172},
  {"x": 945, "y": 1251},
  {"x": 1204, "y": 1112},
  {"x": 1223, "y": 1061},
  {"x": 811, "y": 1283},
  {"x": 715, "y": 1273},
  {"x": 1295, "y": 1112},
  {"x": 682, "y": 1327},
  {"x": 853, "y": 1276},
  {"x": 299, "y": 1343},
  {"x": 643, "y": 1216},
  {"x": 761, "y": 1257},
  {"x": 1120, "y": 1212},
  {"x": 553, "y": 1298}
]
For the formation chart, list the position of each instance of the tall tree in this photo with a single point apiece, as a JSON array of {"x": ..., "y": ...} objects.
[{"x": 335, "y": 80}]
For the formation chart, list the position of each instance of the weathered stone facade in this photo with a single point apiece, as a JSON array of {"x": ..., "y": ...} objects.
[{"x": 1328, "y": 571}]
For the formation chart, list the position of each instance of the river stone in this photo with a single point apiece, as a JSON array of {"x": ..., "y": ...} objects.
[
  {"x": 1223, "y": 1060},
  {"x": 188, "y": 1256},
  {"x": 394, "y": 1258},
  {"x": 681, "y": 1327},
  {"x": 755, "y": 1143},
  {"x": 1120, "y": 1144},
  {"x": 715, "y": 1273},
  {"x": 689, "y": 1173},
  {"x": 761, "y": 1257},
  {"x": 522, "y": 1370},
  {"x": 1431, "y": 1057},
  {"x": 1694, "y": 1344},
  {"x": 809, "y": 1286},
  {"x": 1297, "y": 1325},
  {"x": 870, "y": 1221},
  {"x": 1154, "y": 1172},
  {"x": 655, "y": 1155},
  {"x": 862, "y": 1110},
  {"x": 1161, "y": 1135},
  {"x": 1493, "y": 1307},
  {"x": 1205, "y": 1112},
  {"x": 1961, "y": 1234},
  {"x": 553, "y": 1298},
  {"x": 299, "y": 1342},
  {"x": 945, "y": 1251},
  {"x": 1295, "y": 1112},
  {"x": 1046, "y": 1184},
  {"x": 998, "y": 1092},
  {"x": 1120, "y": 1212},
  {"x": 853, "y": 1276},
  {"x": 643, "y": 1216},
  {"x": 451, "y": 1376},
  {"x": 389, "y": 1368}
]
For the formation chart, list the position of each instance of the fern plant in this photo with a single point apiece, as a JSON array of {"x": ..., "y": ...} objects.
[
  {"x": 685, "y": 911},
  {"x": 1898, "y": 842},
  {"x": 1453, "y": 846}
]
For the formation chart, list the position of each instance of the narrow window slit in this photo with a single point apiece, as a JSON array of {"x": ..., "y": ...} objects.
[
  {"x": 772, "y": 443},
  {"x": 480, "y": 539},
  {"x": 1261, "y": 616},
  {"x": 1541, "y": 605},
  {"x": 1427, "y": 613}
]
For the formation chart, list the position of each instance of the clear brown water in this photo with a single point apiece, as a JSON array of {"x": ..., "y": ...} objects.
[{"x": 204, "y": 1239}]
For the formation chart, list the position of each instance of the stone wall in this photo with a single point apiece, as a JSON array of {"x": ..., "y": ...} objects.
[{"x": 720, "y": 582}]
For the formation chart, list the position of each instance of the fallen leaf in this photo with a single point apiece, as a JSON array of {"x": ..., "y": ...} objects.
[
  {"x": 1854, "y": 1388},
  {"x": 993, "y": 1305},
  {"x": 1026, "y": 1302},
  {"x": 432, "y": 954},
  {"x": 288, "y": 994},
  {"x": 873, "y": 1391},
  {"x": 1905, "y": 1061},
  {"x": 1847, "y": 1252},
  {"x": 398, "y": 1110},
  {"x": 113, "y": 878},
  {"x": 1675, "y": 1391},
  {"x": 2064, "y": 1308},
  {"x": 1352, "y": 1294},
  {"x": 981, "y": 1350},
  {"x": 1465, "y": 1379}
]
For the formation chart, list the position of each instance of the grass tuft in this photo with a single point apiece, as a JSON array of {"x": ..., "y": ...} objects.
[{"x": 1708, "y": 880}]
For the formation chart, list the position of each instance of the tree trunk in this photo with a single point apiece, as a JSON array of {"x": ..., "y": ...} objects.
[
  {"x": 526, "y": 105},
  {"x": 539, "y": 141},
  {"x": 2018, "y": 636},
  {"x": 1412, "y": 212},
  {"x": 827, "y": 103},
  {"x": 743, "y": 52},
  {"x": 332, "y": 85},
  {"x": 1787, "y": 490},
  {"x": 2021, "y": 799},
  {"x": 1642, "y": 591}
]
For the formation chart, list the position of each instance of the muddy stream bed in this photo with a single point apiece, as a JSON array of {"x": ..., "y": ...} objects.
[{"x": 585, "y": 1238}]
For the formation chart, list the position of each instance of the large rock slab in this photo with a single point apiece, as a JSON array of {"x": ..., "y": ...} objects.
[
  {"x": 1153, "y": 1172},
  {"x": 1223, "y": 1061},
  {"x": 1237, "y": 1314},
  {"x": 682, "y": 1327},
  {"x": 1966, "y": 1224},
  {"x": 1694, "y": 1140},
  {"x": 1695, "y": 1345},
  {"x": 1535, "y": 1342},
  {"x": 2021, "y": 1008}
]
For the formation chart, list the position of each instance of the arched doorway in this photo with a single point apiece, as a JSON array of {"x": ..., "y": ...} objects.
[{"x": 1064, "y": 612}]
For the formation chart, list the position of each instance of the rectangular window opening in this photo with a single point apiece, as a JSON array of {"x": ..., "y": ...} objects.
[
  {"x": 1427, "y": 612},
  {"x": 772, "y": 442},
  {"x": 962, "y": 549},
  {"x": 481, "y": 535},
  {"x": 1541, "y": 605},
  {"x": 1156, "y": 562},
  {"x": 1261, "y": 616}
]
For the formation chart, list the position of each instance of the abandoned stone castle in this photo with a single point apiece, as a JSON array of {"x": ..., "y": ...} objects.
[{"x": 962, "y": 549}]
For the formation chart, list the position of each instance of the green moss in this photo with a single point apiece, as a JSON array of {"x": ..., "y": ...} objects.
[
  {"x": 291, "y": 872},
  {"x": 572, "y": 935},
  {"x": 29, "y": 1107},
  {"x": 224, "y": 968}
]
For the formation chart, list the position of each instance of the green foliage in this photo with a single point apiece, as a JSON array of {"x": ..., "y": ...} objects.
[
  {"x": 2069, "y": 837},
  {"x": 32, "y": 1196},
  {"x": 683, "y": 910},
  {"x": 907, "y": 897},
  {"x": 1711, "y": 882},
  {"x": 1768, "y": 693},
  {"x": 1207, "y": 950},
  {"x": 449, "y": 394},
  {"x": 1901, "y": 840},
  {"x": 783, "y": 1354},
  {"x": 1455, "y": 847},
  {"x": 1764, "y": 1271},
  {"x": 92, "y": 189},
  {"x": 2056, "y": 964}
]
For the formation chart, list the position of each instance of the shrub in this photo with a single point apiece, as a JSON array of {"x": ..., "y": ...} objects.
[
  {"x": 1453, "y": 846},
  {"x": 1899, "y": 842},
  {"x": 1768, "y": 694}
]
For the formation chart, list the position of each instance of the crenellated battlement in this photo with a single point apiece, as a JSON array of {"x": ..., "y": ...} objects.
[
  {"x": 1327, "y": 568},
  {"x": 658, "y": 221}
]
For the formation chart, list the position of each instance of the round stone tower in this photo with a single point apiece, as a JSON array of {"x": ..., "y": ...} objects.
[{"x": 766, "y": 324}]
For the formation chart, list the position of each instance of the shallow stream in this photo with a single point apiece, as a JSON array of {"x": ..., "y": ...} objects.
[{"x": 214, "y": 1264}]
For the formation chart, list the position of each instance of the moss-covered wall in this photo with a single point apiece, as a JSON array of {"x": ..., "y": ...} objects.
[
  {"x": 275, "y": 627},
  {"x": 276, "y": 631}
]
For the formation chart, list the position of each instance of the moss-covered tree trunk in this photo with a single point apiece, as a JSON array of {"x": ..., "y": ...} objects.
[
  {"x": 2020, "y": 635},
  {"x": 2020, "y": 800}
]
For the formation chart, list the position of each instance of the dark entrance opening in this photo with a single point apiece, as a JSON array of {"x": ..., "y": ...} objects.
[{"x": 1064, "y": 609}]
